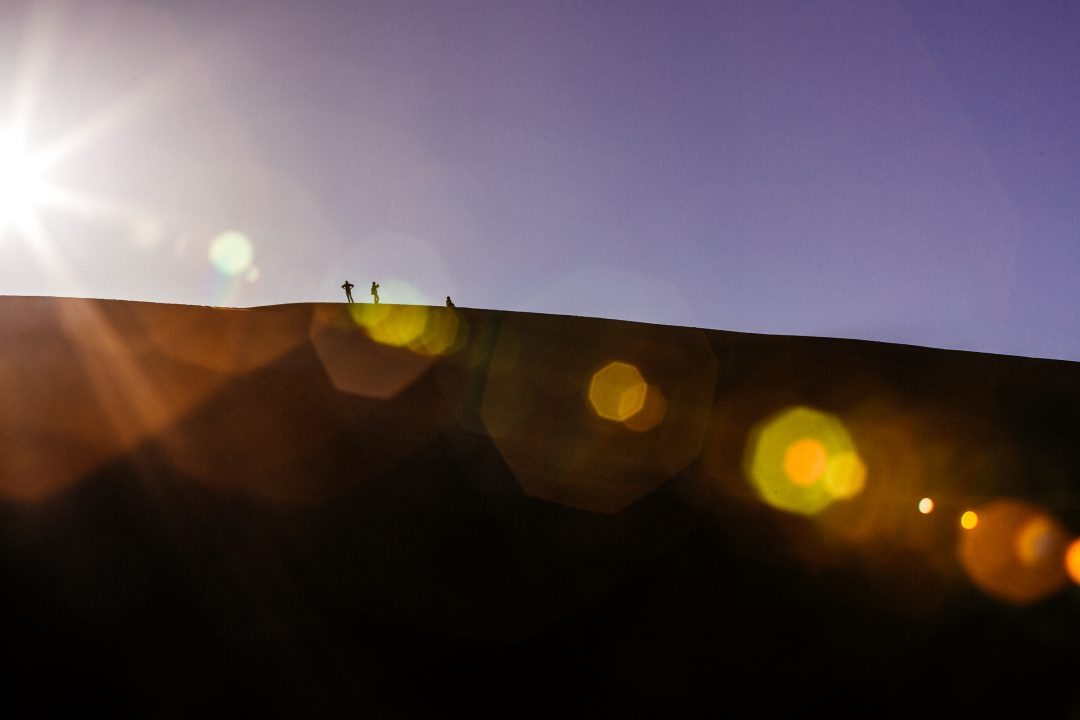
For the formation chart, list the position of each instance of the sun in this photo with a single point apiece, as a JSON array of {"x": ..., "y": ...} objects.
[{"x": 22, "y": 185}]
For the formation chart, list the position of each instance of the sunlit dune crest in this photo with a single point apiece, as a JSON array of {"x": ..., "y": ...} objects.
[{"x": 238, "y": 341}]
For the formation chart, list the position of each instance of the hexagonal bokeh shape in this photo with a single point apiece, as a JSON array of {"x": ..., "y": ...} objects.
[
  {"x": 537, "y": 407},
  {"x": 356, "y": 363},
  {"x": 617, "y": 391}
]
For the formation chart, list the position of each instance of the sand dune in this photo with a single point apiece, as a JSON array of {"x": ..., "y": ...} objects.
[{"x": 401, "y": 511}]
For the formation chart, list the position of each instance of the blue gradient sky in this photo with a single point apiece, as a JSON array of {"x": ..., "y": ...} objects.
[{"x": 897, "y": 171}]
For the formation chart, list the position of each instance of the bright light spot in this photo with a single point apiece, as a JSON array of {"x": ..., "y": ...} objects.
[
  {"x": 1072, "y": 561},
  {"x": 969, "y": 520},
  {"x": 422, "y": 329},
  {"x": 926, "y": 506},
  {"x": 21, "y": 183},
  {"x": 617, "y": 391},
  {"x": 804, "y": 461},
  {"x": 231, "y": 252},
  {"x": 404, "y": 326}
]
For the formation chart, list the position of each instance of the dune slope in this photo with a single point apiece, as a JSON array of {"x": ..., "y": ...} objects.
[{"x": 402, "y": 511}]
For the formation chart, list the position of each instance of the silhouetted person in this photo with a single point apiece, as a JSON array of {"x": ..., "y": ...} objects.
[
  {"x": 348, "y": 290},
  {"x": 375, "y": 291},
  {"x": 449, "y": 302}
]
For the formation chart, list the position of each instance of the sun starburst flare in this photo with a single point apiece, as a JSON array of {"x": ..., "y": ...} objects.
[
  {"x": 31, "y": 177},
  {"x": 22, "y": 183}
]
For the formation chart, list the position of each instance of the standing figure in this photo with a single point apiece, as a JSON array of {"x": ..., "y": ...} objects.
[
  {"x": 348, "y": 290},
  {"x": 375, "y": 291},
  {"x": 449, "y": 302}
]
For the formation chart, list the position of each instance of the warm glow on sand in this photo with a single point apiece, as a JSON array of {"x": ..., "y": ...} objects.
[
  {"x": 926, "y": 506},
  {"x": 1072, "y": 561},
  {"x": 969, "y": 520},
  {"x": 1016, "y": 552}
]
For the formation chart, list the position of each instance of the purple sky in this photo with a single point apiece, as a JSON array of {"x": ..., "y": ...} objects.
[{"x": 898, "y": 171}]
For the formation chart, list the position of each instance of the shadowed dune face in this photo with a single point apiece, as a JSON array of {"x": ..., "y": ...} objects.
[
  {"x": 549, "y": 382},
  {"x": 696, "y": 518}
]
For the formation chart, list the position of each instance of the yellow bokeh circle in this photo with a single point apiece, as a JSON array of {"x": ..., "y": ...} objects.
[
  {"x": 802, "y": 460},
  {"x": 617, "y": 391}
]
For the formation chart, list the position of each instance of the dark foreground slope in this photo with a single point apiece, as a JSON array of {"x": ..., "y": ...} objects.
[{"x": 265, "y": 511}]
